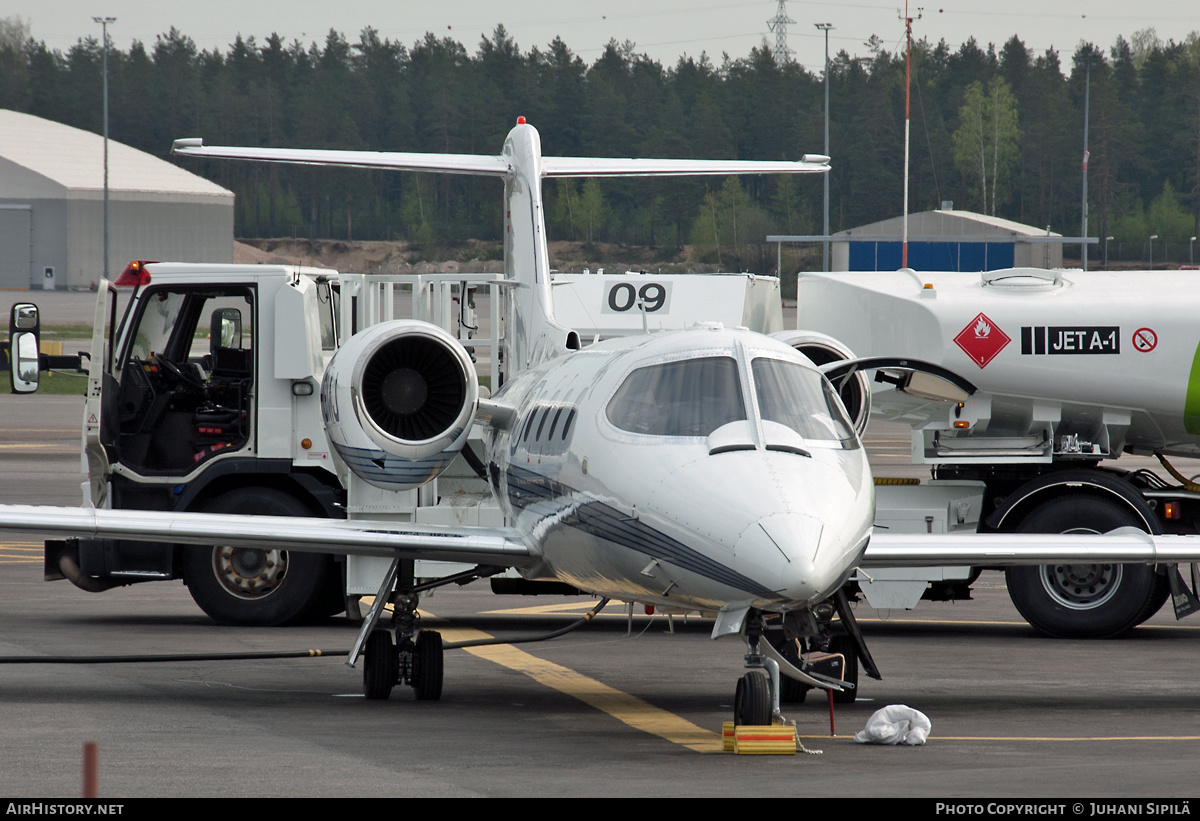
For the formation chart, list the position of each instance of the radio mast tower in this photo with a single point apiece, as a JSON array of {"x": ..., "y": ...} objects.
[{"x": 779, "y": 24}]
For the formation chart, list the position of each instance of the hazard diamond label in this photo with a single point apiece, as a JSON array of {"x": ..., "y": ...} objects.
[{"x": 981, "y": 340}]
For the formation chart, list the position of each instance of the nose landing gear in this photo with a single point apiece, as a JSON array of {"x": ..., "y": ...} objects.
[
  {"x": 777, "y": 671},
  {"x": 756, "y": 700}
]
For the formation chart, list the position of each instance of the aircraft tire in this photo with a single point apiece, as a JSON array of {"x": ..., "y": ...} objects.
[
  {"x": 428, "y": 666},
  {"x": 238, "y": 586},
  {"x": 381, "y": 666},
  {"x": 1084, "y": 600},
  {"x": 752, "y": 700}
]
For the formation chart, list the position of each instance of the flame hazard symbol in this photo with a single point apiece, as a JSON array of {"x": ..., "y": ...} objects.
[{"x": 982, "y": 340}]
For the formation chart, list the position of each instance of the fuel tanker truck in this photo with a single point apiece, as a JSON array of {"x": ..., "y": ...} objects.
[{"x": 1073, "y": 369}]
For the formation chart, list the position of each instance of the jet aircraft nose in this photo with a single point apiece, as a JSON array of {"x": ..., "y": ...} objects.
[
  {"x": 791, "y": 524},
  {"x": 801, "y": 557}
]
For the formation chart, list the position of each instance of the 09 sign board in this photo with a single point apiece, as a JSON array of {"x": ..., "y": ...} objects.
[{"x": 624, "y": 295}]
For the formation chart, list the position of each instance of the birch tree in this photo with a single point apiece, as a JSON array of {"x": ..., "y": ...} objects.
[{"x": 986, "y": 144}]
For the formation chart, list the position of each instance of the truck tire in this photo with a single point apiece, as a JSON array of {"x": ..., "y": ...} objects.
[
  {"x": 1084, "y": 600},
  {"x": 263, "y": 588}
]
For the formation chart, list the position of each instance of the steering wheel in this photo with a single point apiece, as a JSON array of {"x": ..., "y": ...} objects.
[{"x": 179, "y": 373}]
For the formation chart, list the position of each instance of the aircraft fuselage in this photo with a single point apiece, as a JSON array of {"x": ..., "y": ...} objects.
[{"x": 700, "y": 469}]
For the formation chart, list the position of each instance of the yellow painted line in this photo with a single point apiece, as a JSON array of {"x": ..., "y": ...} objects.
[
  {"x": 625, "y": 708},
  {"x": 965, "y": 622},
  {"x": 21, "y": 554},
  {"x": 546, "y": 609},
  {"x": 62, "y": 431},
  {"x": 1039, "y": 738}
]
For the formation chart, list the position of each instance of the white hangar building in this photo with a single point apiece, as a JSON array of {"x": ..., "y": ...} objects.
[{"x": 52, "y": 207}]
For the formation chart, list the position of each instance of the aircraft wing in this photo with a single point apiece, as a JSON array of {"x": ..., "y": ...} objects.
[
  {"x": 622, "y": 167},
  {"x": 491, "y": 166},
  {"x": 476, "y": 545},
  {"x": 1126, "y": 545}
]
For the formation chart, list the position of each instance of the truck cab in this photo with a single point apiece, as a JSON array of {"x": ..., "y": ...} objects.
[{"x": 204, "y": 398}]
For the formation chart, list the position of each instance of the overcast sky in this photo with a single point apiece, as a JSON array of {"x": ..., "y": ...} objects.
[{"x": 664, "y": 29}]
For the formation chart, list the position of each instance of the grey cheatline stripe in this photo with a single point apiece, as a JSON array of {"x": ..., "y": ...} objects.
[{"x": 608, "y": 523}]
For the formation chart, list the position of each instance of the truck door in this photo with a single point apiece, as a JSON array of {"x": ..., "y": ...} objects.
[
  {"x": 185, "y": 379},
  {"x": 101, "y": 384}
]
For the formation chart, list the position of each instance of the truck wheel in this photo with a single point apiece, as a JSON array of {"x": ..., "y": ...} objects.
[
  {"x": 245, "y": 586},
  {"x": 1084, "y": 600}
]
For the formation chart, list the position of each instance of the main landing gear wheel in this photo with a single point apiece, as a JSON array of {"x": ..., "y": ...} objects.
[
  {"x": 427, "y": 666},
  {"x": 1084, "y": 600},
  {"x": 381, "y": 666},
  {"x": 752, "y": 701}
]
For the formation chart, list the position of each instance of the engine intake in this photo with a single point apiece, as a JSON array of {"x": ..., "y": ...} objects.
[
  {"x": 398, "y": 401},
  {"x": 413, "y": 388}
]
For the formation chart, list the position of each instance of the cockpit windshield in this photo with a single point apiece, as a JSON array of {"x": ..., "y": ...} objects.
[
  {"x": 803, "y": 400},
  {"x": 692, "y": 397}
]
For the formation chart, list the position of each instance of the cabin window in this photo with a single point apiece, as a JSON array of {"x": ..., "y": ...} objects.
[
  {"x": 692, "y": 397},
  {"x": 550, "y": 434},
  {"x": 801, "y": 398}
]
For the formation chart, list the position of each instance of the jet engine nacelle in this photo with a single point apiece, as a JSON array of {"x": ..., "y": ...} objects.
[
  {"x": 822, "y": 349},
  {"x": 398, "y": 401}
]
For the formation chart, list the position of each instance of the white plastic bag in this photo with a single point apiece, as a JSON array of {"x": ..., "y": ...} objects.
[{"x": 895, "y": 724}]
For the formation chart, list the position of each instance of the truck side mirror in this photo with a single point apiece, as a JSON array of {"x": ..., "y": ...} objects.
[
  {"x": 24, "y": 329},
  {"x": 225, "y": 329}
]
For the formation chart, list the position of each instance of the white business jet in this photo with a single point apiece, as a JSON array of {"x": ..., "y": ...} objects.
[{"x": 710, "y": 469}]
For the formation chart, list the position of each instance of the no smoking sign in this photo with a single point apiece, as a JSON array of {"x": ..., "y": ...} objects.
[{"x": 1145, "y": 340}]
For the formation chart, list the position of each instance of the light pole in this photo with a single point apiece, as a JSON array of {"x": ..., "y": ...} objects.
[
  {"x": 1192, "y": 251},
  {"x": 1087, "y": 97},
  {"x": 1152, "y": 238},
  {"x": 1106, "y": 241},
  {"x": 825, "y": 27},
  {"x": 104, "y": 21},
  {"x": 908, "y": 21}
]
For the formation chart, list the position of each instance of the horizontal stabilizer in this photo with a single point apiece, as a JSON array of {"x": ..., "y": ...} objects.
[
  {"x": 474, "y": 164},
  {"x": 620, "y": 167},
  {"x": 497, "y": 166}
]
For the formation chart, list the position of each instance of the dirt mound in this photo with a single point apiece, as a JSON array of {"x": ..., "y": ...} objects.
[
  {"x": 378, "y": 257},
  {"x": 369, "y": 257}
]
